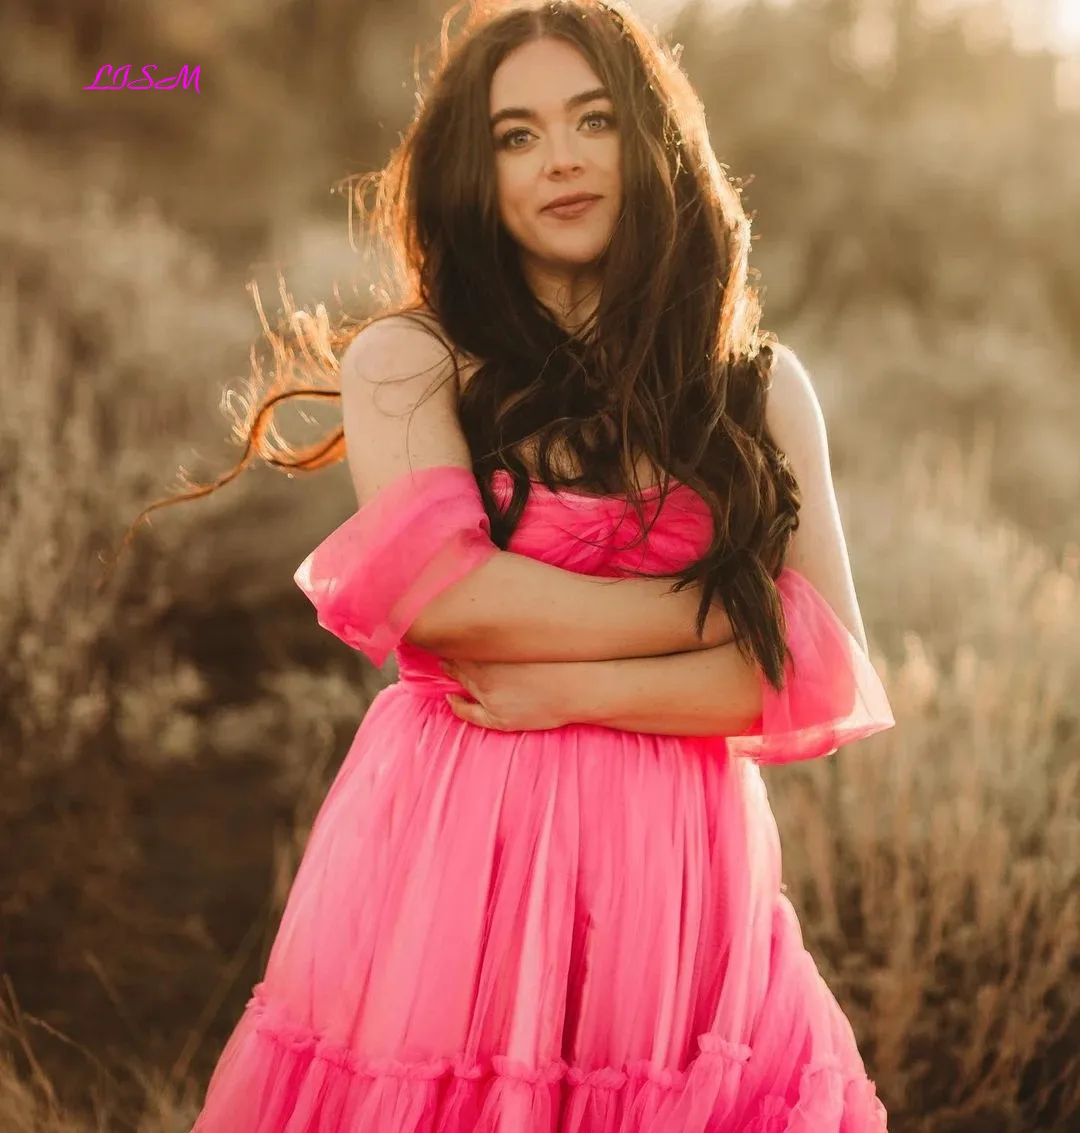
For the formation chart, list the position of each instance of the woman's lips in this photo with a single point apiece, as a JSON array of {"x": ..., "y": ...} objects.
[{"x": 571, "y": 211}]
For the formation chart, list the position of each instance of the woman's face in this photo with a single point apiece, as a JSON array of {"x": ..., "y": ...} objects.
[{"x": 554, "y": 132}]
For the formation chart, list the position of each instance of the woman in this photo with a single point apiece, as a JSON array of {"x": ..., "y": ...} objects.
[{"x": 544, "y": 890}]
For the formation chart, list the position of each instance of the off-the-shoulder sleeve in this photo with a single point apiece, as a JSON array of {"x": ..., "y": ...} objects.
[
  {"x": 370, "y": 578},
  {"x": 832, "y": 694}
]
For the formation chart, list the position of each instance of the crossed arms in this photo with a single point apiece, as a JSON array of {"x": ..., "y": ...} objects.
[{"x": 629, "y": 644}]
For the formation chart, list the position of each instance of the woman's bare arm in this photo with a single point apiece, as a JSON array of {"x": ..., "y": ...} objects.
[
  {"x": 718, "y": 692},
  {"x": 399, "y": 402},
  {"x": 710, "y": 692},
  {"x": 818, "y": 549},
  {"x": 514, "y": 608}
]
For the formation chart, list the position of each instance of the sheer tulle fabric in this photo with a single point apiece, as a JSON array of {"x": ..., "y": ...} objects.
[
  {"x": 574, "y": 931},
  {"x": 831, "y": 695},
  {"x": 371, "y": 577}
]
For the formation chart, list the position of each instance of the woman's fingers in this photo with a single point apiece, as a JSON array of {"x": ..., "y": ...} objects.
[
  {"x": 471, "y": 711},
  {"x": 456, "y": 673}
]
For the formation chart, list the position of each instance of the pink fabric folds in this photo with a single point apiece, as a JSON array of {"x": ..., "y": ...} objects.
[
  {"x": 575, "y": 930},
  {"x": 832, "y": 694},
  {"x": 370, "y": 578}
]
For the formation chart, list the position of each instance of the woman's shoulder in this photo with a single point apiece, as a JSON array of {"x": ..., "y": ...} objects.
[
  {"x": 788, "y": 379},
  {"x": 792, "y": 409},
  {"x": 404, "y": 343}
]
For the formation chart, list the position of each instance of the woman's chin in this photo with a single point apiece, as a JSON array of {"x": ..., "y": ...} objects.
[{"x": 572, "y": 258}]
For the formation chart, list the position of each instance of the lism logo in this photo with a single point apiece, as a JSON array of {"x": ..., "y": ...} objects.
[{"x": 120, "y": 80}]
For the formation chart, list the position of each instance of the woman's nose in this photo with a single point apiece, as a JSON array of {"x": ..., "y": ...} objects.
[{"x": 562, "y": 152}]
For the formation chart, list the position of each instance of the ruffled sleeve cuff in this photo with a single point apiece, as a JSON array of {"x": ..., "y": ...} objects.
[
  {"x": 832, "y": 694},
  {"x": 370, "y": 578}
]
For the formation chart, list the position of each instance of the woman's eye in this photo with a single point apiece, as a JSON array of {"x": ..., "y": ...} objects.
[
  {"x": 511, "y": 137},
  {"x": 595, "y": 121},
  {"x": 600, "y": 116}
]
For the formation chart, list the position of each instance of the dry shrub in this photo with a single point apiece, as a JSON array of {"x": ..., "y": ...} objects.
[
  {"x": 98, "y": 377},
  {"x": 152, "y": 960},
  {"x": 937, "y": 867},
  {"x": 887, "y": 373},
  {"x": 29, "y": 1102},
  {"x": 27, "y": 1105},
  {"x": 115, "y": 686}
]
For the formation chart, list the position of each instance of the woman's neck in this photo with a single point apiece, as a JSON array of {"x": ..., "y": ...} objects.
[{"x": 572, "y": 298}]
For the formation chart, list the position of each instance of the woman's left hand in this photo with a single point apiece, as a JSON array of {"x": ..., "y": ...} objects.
[{"x": 518, "y": 696}]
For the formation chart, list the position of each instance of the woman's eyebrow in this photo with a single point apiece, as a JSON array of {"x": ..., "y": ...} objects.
[{"x": 530, "y": 115}]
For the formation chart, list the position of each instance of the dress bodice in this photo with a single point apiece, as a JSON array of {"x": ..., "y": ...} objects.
[{"x": 601, "y": 535}]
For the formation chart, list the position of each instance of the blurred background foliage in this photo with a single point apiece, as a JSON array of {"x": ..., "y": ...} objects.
[{"x": 167, "y": 729}]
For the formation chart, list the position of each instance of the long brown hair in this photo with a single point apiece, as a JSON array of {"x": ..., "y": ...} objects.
[{"x": 673, "y": 364}]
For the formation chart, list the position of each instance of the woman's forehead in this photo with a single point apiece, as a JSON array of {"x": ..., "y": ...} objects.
[{"x": 542, "y": 76}]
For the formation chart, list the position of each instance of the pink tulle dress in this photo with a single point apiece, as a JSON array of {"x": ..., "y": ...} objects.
[{"x": 577, "y": 931}]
